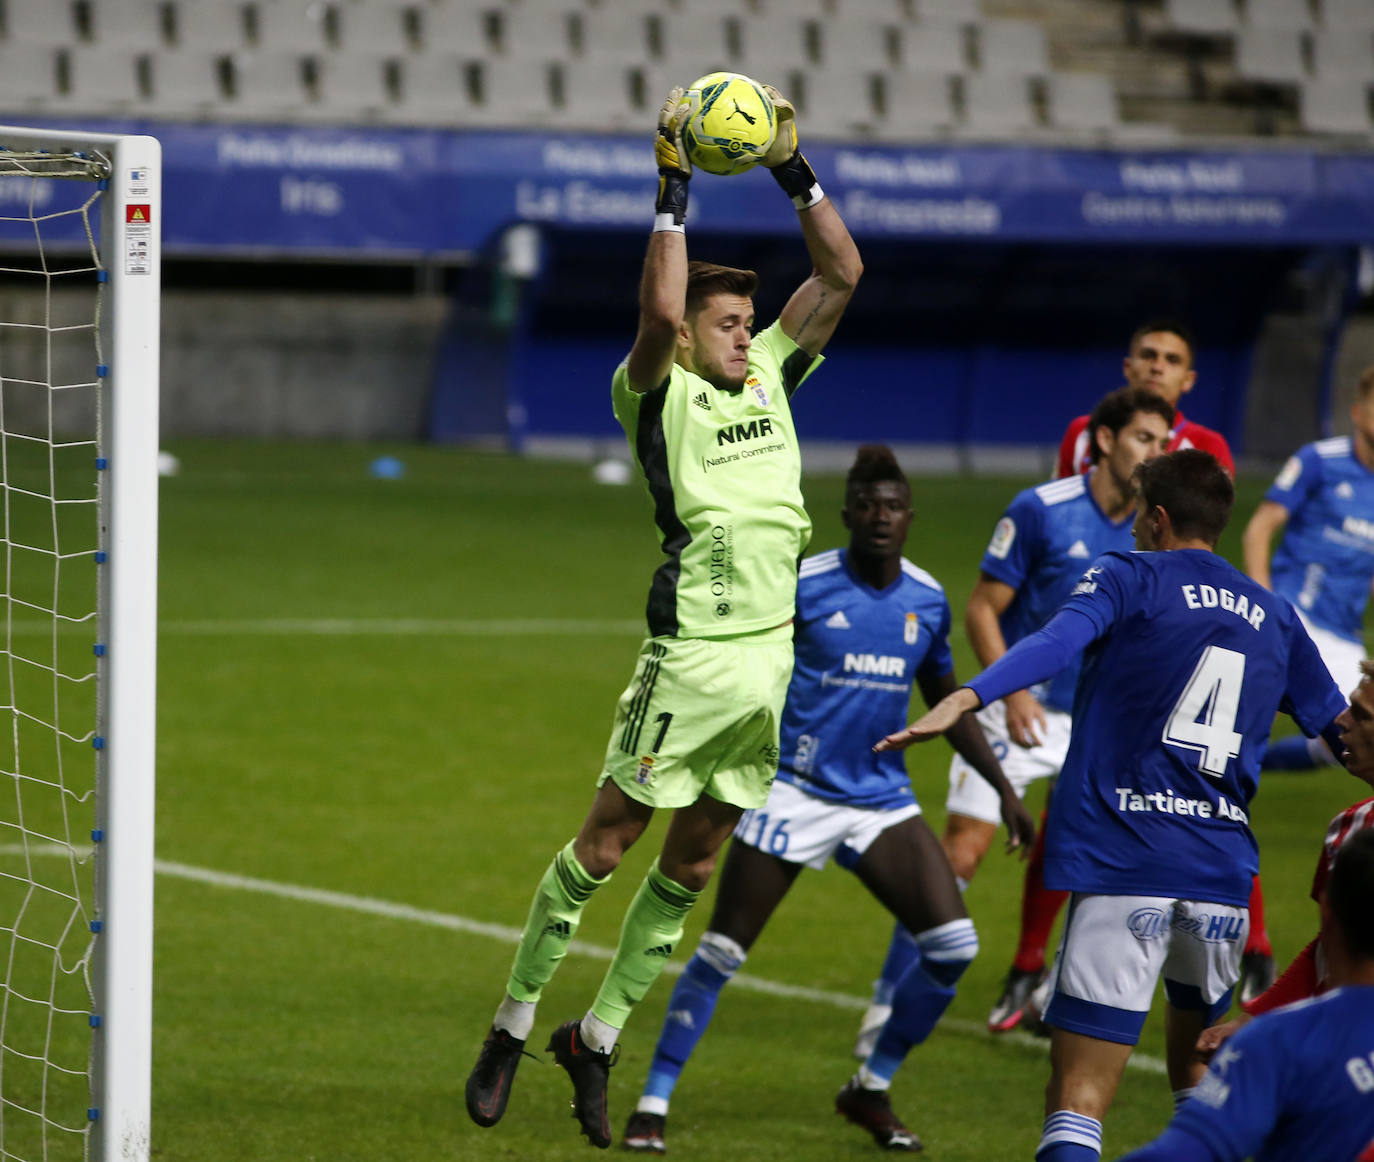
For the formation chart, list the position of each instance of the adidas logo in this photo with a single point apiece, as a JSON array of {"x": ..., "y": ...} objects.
[
  {"x": 664, "y": 950},
  {"x": 560, "y": 928},
  {"x": 837, "y": 620},
  {"x": 702, "y": 401},
  {"x": 1344, "y": 490},
  {"x": 1079, "y": 549}
]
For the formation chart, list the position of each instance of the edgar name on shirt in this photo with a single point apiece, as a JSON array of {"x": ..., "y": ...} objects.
[{"x": 1207, "y": 597}]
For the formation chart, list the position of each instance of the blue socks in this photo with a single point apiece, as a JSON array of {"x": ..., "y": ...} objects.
[
  {"x": 902, "y": 953},
  {"x": 1070, "y": 1137},
  {"x": 690, "y": 1009},
  {"x": 921, "y": 997}
]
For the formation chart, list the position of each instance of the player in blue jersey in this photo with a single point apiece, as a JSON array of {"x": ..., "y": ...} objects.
[
  {"x": 1297, "y": 1084},
  {"x": 1039, "y": 549},
  {"x": 868, "y": 624},
  {"x": 1324, "y": 502},
  {"x": 1185, "y": 662}
]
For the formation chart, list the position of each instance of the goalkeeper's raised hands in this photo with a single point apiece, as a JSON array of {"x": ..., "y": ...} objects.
[
  {"x": 784, "y": 157},
  {"x": 674, "y": 169},
  {"x": 785, "y": 141}
]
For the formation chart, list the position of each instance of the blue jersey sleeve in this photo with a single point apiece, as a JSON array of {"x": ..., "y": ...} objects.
[
  {"x": 938, "y": 660},
  {"x": 1105, "y": 590},
  {"x": 1015, "y": 545},
  {"x": 1299, "y": 478},
  {"x": 1173, "y": 1145},
  {"x": 1239, "y": 1099},
  {"x": 1312, "y": 698},
  {"x": 1035, "y": 658}
]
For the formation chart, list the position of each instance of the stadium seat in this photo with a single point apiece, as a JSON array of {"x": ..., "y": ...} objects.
[
  {"x": 997, "y": 104},
  {"x": 99, "y": 79},
  {"x": 927, "y": 47},
  {"x": 535, "y": 32},
  {"x": 435, "y": 89},
  {"x": 1270, "y": 54},
  {"x": 914, "y": 104},
  {"x": 299, "y": 26},
  {"x": 1013, "y": 48},
  {"x": 615, "y": 36},
  {"x": 267, "y": 84},
  {"x": 858, "y": 42},
  {"x": 887, "y": 11},
  {"x": 514, "y": 93},
  {"x": 353, "y": 86},
  {"x": 208, "y": 26},
  {"x": 39, "y": 22},
  {"x": 838, "y": 103},
  {"x": 1203, "y": 17},
  {"x": 134, "y": 24},
  {"x": 1348, "y": 14},
  {"x": 597, "y": 95},
  {"x": 1340, "y": 106},
  {"x": 455, "y": 29},
  {"x": 28, "y": 78},
  {"x": 692, "y": 45},
  {"x": 1081, "y": 101},
  {"x": 949, "y": 11},
  {"x": 185, "y": 82},
  {"x": 1342, "y": 52},
  {"x": 1294, "y": 15},
  {"x": 380, "y": 27},
  {"x": 772, "y": 45}
]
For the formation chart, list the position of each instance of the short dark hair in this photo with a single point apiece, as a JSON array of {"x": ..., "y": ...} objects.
[
  {"x": 1168, "y": 327},
  {"x": 1118, "y": 408},
  {"x": 705, "y": 279},
  {"x": 1193, "y": 488},
  {"x": 1349, "y": 891},
  {"x": 874, "y": 463},
  {"x": 1365, "y": 384}
]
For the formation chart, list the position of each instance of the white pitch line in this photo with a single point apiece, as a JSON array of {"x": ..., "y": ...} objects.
[
  {"x": 392, "y": 911},
  {"x": 403, "y": 627}
]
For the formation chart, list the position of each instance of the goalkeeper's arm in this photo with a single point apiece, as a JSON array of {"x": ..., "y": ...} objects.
[
  {"x": 663, "y": 285},
  {"x": 814, "y": 310}
]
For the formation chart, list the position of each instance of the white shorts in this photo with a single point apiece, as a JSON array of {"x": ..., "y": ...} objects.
[
  {"x": 1114, "y": 949},
  {"x": 972, "y": 795},
  {"x": 801, "y": 828},
  {"x": 1341, "y": 655}
]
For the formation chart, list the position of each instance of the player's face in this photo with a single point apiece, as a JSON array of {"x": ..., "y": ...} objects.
[
  {"x": 1362, "y": 417},
  {"x": 1144, "y": 438},
  {"x": 877, "y": 516},
  {"x": 1160, "y": 362},
  {"x": 717, "y": 340}
]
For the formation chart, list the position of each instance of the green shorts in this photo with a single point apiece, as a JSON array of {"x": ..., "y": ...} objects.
[{"x": 701, "y": 715}]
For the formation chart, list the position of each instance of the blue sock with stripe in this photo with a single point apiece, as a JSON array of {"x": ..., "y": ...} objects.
[
  {"x": 902, "y": 953},
  {"x": 921, "y": 997},
  {"x": 1070, "y": 1137}
]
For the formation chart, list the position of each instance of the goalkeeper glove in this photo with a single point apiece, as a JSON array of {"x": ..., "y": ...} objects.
[
  {"x": 784, "y": 157},
  {"x": 674, "y": 170}
]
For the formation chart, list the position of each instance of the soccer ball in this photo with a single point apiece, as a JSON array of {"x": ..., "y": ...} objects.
[{"x": 731, "y": 124}]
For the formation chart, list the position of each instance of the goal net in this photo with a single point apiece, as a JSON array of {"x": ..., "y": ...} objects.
[{"x": 79, "y": 289}]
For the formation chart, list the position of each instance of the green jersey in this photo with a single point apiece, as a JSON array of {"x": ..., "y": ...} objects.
[{"x": 724, "y": 471}]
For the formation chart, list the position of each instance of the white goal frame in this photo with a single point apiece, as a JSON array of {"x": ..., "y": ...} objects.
[{"x": 130, "y": 250}]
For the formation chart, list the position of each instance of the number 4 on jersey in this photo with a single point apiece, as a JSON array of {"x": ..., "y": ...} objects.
[{"x": 1204, "y": 718}]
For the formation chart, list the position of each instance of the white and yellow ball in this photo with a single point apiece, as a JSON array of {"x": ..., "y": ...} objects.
[{"x": 731, "y": 124}]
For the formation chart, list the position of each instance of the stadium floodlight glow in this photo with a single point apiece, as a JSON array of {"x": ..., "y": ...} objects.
[{"x": 80, "y": 285}]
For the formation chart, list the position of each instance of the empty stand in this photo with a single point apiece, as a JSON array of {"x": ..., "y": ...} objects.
[
  {"x": 615, "y": 37},
  {"x": 380, "y": 27},
  {"x": 136, "y": 24},
  {"x": 266, "y": 83},
  {"x": 997, "y": 104},
  {"x": 208, "y": 25},
  {"x": 436, "y": 88},
  {"x": 1343, "y": 53},
  {"x": 691, "y": 45},
  {"x": 514, "y": 93},
  {"x": 859, "y": 42},
  {"x": 355, "y": 86},
  {"x": 39, "y": 22},
  {"x": 1013, "y": 48},
  {"x": 949, "y": 11},
  {"x": 1348, "y": 14},
  {"x": 914, "y": 104},
  {"x": 838, "y": 103},
  {"x": 1294, "y": 15},
  {"x": 1270, "y": 54},
  {"x": 1204, "y": 17},
  {"x": 455, "y": 28},
  {"x": 185, "y": 82},
  {"x": 772, "y": 45},
  {"x": 535, "y": 32},
  {"x": 301, "y": 26},
  {"x": 596, "y": 96},
  {"x": 931, "y": 47},
  {"x": 28, "y": 78},
  {"x": 1081, "y": 102},
  {"x": 1340, "y": 106}
]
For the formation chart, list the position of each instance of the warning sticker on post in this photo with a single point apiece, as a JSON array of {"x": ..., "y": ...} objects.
[{"x": 138, "y": 238}]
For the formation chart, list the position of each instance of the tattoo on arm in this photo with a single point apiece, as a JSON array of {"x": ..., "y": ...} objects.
[{"x": 806, "y": 322}]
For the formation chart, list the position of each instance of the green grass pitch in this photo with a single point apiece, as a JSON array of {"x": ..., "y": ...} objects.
[{"x": 382, "y": 707}]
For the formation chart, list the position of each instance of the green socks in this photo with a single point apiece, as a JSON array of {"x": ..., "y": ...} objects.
[
  {"x": 652, "y": 929},
  {"x": 553, "y": 919}
]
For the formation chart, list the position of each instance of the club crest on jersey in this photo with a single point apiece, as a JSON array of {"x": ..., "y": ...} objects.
[
  {"x": 911, "y": 629},
  {"x": 760, "y": 393},
  {"x": 645, "y": 775}
]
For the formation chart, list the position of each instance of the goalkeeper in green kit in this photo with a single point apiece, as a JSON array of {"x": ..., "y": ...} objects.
[{"x": 704, "y": 403}]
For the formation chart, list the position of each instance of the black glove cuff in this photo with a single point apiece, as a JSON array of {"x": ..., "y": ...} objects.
[
  {"x": 798, "y": 181},
  {"x": 672, "y": 196}
]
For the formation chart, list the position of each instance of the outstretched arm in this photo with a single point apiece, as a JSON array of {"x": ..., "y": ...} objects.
[
  {"x": 1026, "y": 723},
  {"x": 663, "y": 286},
  {"x": 814, "y": 310},
  {"x": 1258, "y": 537}
]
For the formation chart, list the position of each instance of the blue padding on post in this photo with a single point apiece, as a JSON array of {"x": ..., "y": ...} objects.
[{"x": 1093, "y": 1020}]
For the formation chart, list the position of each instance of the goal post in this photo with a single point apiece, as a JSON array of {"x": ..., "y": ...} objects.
[{"x": 80, "y": 285}]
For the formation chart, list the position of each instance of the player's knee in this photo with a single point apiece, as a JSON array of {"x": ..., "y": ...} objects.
[{"x": 948, "y": 950}]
